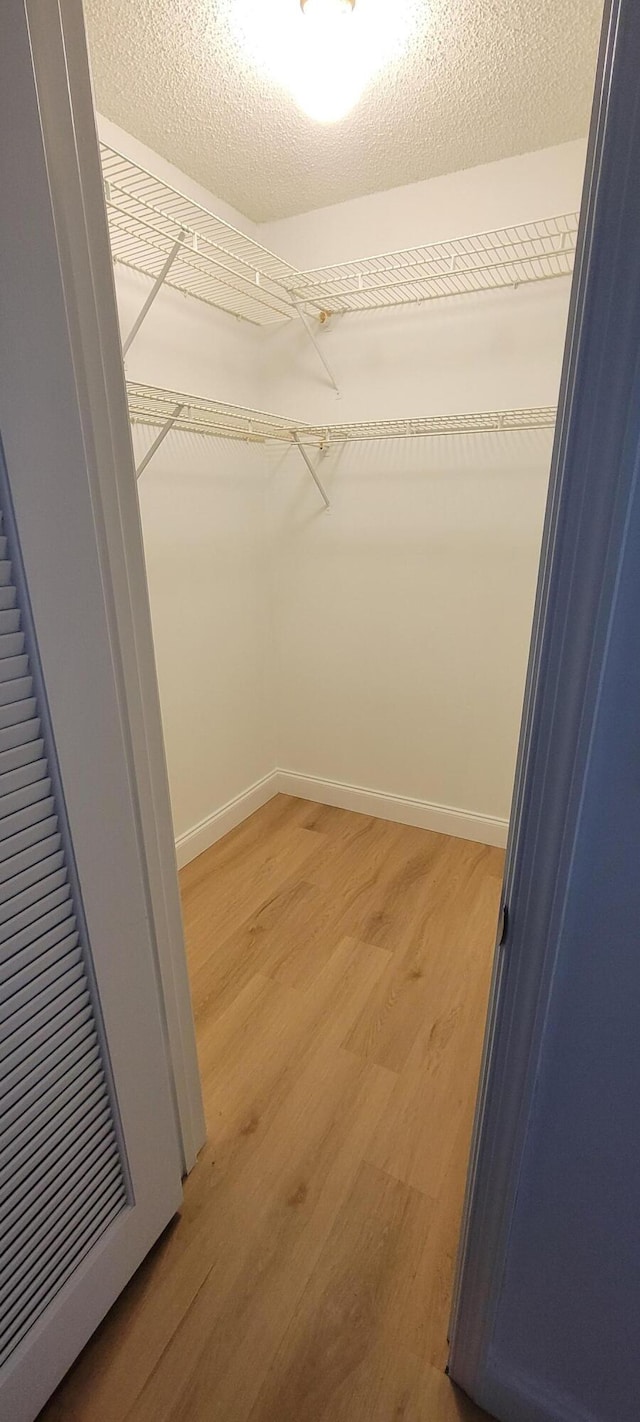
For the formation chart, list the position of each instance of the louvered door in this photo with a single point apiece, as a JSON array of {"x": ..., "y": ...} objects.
[
  {"x": 62, "y": 1172},
  {"x": 84, "y": 1187},
  {"x": 90, "y": 1163}
]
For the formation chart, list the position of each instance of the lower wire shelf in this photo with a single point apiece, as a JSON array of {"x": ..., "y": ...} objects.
[
  {"x": 153, "y": 406},
  {"x": 169, "y": 409}
]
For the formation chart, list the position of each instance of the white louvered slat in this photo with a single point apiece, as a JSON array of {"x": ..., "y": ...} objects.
[
  {"x": 25, "y": 1024},
  {"x": 34, "y": 1095},
  {"x": 12, "y": 668},
  {"x": 59, "y": 942},
  {"x": 9, "y": 621},
  {"x": 19, "y": 735},
  {"x": 18, "y": 689},
  {"x": 24, "y": 947},
  {"x": 36, "y": 976},
  {"x": 30, "y": 836},
  {"x": 23, "y": 869},
  {"x": 30, "y": 1136},
  {"x": 27, "y": 816},
  {"x": 23, "y": 1218},
  {"x": 17, "y": 712},
  {"x": 22, "y": 775},
  {"x": 11, "y": 643},
  {"x": 53, "y": 1141},
  {"x": 73, "y": 1246},
  {"x": 17, "y": 883},
  {"x": 50, "y": 1173},
  {"x": 61, "y": 1174},
  {"x": 28, "y": 1065},
  {"x": 22, "y": 799},
  {"x": 51, "y": 876},
  {"x": 21, "y": 754},
  {"x": 36, "y": 931},
  {"x": 19, "y": 1264},
  {"x": 40, "y": 905}
]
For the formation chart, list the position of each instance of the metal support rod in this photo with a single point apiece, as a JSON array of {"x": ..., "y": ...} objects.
[
  {"x": 319, "y": 352},
  {"x": 311, "y": 469},
  {"x": 152, "y": 294},
  {"x": 168, "y": 424}
]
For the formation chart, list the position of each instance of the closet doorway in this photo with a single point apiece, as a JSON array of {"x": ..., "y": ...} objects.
[{"x": 343, "y": 397}]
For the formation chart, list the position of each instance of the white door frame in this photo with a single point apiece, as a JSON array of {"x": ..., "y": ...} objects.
[{"x": 70, "y": 144}]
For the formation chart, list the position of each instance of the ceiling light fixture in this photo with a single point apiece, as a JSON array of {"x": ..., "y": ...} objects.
[{"x": 324, "y": 52}]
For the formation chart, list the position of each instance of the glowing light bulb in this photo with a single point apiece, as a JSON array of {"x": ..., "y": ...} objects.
[
  {"x": 319, "y": 7},
  {"x": 324, "y": 52},
  {"x": 325, "y": 85}
]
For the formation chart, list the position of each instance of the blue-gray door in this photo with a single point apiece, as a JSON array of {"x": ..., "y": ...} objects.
[{"x": 547, "y": 1319}]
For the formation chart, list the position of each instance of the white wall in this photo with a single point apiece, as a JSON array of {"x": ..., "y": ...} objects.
[
  {"x": 474, "y": 200},
  {"x": 203, "y": 514},
  {"x": 403, "y": 615},
  {"x": 383, "y": 645}
]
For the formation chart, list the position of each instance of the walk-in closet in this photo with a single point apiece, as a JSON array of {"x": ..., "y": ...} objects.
[{"x": 342, "y": 337}]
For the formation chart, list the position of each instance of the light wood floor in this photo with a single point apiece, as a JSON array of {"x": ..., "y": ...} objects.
[{"x": 340, "y": 969}]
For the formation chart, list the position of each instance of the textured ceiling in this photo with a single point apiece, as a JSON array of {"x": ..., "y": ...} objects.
[{"x": 479, "y": 80}]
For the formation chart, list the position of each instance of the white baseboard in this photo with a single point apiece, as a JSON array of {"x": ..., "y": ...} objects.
[
  {"x": 196, "y": 840},
  {"x": 485, "y": 829}
]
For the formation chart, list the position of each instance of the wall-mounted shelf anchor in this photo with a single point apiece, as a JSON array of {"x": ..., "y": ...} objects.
[
  {"x": 317, "y": 481},
  {"x": 316, "y": 345},
  {"x": 161, "y": 277},
  {"x": 168, "y": 425}
]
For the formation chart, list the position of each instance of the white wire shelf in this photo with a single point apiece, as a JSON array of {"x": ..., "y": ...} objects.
[
  {"x": 152, "y": 406},
  {"x": 487, "y": 261},
  {"x": 214, "y": 261},
  {"x": 152, "y": 225}
]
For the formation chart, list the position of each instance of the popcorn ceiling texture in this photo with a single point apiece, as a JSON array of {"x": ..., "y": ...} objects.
[{"x": 480, "y": 81}]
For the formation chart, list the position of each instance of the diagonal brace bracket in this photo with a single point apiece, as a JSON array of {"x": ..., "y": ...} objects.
[
  {"x": 317, "y": 481},
  {"x": 168, "y": 425},
  {"x": 162, "y": 276},
  {"x": 316, "y": 344}
]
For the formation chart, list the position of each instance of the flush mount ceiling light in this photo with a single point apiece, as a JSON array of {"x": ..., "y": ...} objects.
[{"x": 324, "y": 52}]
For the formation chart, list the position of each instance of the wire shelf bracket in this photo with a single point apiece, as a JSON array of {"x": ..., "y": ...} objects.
[
  {"x": 168, "y": 425},
  {"x": 313, "y": 472},
  {"x": 317, "y": 347},
  {"x": 158, "y": 283}
]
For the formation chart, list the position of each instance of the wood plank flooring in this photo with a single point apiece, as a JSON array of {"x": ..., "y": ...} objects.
[{"x": 340, "y": 968}]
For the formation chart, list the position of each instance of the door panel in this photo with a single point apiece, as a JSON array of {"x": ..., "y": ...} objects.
[
  {"x": 63, "y": 1175},
  {"x": 547, "y": 1313},
  {"x": 90, "y": 1163}
]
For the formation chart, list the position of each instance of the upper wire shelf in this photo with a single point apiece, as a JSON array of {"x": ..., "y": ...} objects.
[
  {"x": 152, "y": 406},
  {"x": 214, "y": 261},
  {"x": 487, "y": 261},
  {"x": 154, "y": 227}
]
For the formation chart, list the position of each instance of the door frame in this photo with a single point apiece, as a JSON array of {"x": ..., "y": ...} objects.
[
  {"x": 597, "y": 434},
  {"x": 70, "y": 142}
]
